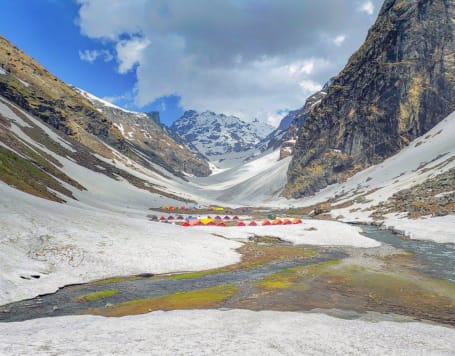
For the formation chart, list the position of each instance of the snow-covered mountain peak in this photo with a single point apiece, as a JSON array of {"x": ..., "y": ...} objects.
[{"x": 215, "y": 134}]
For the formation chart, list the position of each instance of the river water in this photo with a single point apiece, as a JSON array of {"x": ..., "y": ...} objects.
[{"x": 435, "y": 259}]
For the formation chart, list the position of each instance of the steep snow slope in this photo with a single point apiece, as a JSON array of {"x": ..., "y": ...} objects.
[
  {"x": 215, "y": 135},
  {"x": 229, "y": 332}
]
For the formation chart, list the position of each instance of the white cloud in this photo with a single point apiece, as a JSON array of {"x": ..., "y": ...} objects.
[
  {"x": 367, "y": 7},
  {"x": 251, "y": 58},
  {"x": 339, "y": 40},
  {"x": 130, "y": 52},
  {"x": 92, "y": 55},
  {"x": 310, "y": 86}
]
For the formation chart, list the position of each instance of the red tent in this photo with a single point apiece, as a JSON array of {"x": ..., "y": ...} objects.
[
  {"x": 253, "y": 223},
  {"x": 162, "y": 218},
  {"x": 287, "y": 222},
  {"x": 217, "y": 217},
  {"x": 221, "y": 224},
  {"x": 170, "y": 217},
  {"x": 235, "y": 218},
  {"x": 211, "y": 223},
  {"x": 266, "y": 223},
  {"x": 186, "y": 224},
  {"x": 241, "y": 223},
  {"x": 227, "y": 218}
]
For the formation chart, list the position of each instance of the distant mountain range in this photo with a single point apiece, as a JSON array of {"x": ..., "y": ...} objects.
[{"x": 215, "y": 135}]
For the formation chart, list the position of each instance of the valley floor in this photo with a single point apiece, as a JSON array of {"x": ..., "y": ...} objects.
[{"x": 105, "y": 234}]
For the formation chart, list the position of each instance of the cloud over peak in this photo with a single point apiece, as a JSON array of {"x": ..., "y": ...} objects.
[{"x": 252, "y": 58}]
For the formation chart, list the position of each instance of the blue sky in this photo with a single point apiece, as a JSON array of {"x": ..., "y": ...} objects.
[
  {"x": 47, "y": 30},
  {"x": 250, "y": 58}
]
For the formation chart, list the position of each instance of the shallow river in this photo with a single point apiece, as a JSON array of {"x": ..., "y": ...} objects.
[{"x": 435, "y": 259}]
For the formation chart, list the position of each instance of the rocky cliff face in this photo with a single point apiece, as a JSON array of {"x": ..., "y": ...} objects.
[{"x": 396, "y": 87}]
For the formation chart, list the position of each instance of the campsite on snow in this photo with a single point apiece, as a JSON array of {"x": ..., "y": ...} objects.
[{"x": 331, "y": 231}]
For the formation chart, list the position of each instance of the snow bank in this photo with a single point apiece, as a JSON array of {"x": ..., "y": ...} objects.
[
  {"x": 214, "y": 332},
  {"x": 68, "y": 244},
  {"x": 327, "y": 233},
  {"x": 439, "y": 229}
]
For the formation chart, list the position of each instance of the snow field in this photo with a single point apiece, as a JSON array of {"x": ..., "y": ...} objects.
[
  {"x": 228, "y": 332},
  {"x": 68, "y": 244},
  {"x": 330, "y": 233}
]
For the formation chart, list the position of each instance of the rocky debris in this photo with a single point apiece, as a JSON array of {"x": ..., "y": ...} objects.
[
  {"x": 435, "y": 197},
  {"x": 396, "y": 87}
]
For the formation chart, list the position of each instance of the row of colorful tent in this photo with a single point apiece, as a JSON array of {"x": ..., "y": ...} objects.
[
  {"x": 180, "y": 217},
  {"x": 212, "y": 222}
]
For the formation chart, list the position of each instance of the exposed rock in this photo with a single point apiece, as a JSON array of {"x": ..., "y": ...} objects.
[
  {"x": 435, "y": 197},
  {"x": 396, "y": 87}
]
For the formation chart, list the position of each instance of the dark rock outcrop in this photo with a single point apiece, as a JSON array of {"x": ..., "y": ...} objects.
[{"x": 396, "y": 87}]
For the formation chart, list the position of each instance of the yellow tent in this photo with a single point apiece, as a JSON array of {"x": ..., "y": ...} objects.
[{"x": 206, "y": 221}]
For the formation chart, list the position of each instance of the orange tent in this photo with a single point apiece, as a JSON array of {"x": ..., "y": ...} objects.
[
  {"x": 287, "y": 222},
  {"x": 266, "y": 222},
  {"x": 277, "y": 222},
  {"x": 296, "y": 221}
]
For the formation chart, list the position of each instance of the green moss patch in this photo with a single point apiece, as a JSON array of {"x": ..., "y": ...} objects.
[
  {"x": 92, "y": 297},
  {"x": 212, "y": 297},
  {"x": 114, "y": 280}
]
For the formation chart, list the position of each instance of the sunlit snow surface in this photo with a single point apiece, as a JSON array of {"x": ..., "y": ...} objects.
[{"x": 214, "y": 332}]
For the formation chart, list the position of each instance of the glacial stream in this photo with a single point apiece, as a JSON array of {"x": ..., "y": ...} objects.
[{"x": 437, "y": 260}]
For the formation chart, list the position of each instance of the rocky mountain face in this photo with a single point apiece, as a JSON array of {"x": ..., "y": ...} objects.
[
  {"x": 29, "y": 85},
  {"x": 396, "y": 87},
  {"x": 214, "y": 135},
  {"x": 146, "y": 134}
]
